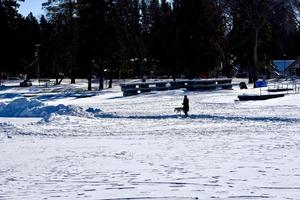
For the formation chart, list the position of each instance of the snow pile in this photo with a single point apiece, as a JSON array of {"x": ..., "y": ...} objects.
[
  {"x": 54, "y": 117},
  {"x": 24, "y": 107}
]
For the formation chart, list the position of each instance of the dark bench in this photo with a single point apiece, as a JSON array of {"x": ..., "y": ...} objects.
[{"x": 203, "y": 84}]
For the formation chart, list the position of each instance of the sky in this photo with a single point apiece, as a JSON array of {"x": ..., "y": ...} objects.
[{"x": 34, "y": 6}]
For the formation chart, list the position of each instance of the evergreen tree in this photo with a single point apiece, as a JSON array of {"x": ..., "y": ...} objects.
[
  {"x": 81, "y": 38},
  {"x": 62, "y": 15},
  {"x": 47, "y": 50},
  {"x": 92, "y": 31},
  {"x": 9, "y": 22},
  {"x": 201, "y": 30},
  {"x": 129, "y": 12},
  {"x": 115, "y": 42},
  {"x": 28, "y": 38}
]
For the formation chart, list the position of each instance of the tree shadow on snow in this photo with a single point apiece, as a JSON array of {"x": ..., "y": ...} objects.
[
  {"x": 203, "y": 116},
  {"x": 48, "y": 97}
]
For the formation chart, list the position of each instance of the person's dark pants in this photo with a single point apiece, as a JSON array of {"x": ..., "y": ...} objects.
[{"x": 185, "y": 113}]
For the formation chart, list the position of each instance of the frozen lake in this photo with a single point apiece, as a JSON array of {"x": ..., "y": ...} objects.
[{"x": 138, "y": 148}]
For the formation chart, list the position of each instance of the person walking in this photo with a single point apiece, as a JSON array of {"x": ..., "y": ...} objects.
[{"x": 186, "y": 106}]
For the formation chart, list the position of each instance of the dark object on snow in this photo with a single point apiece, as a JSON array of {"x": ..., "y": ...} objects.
[
  {"x": 178, "y": 110},
  {"x": 243, "y": 85},
  {"x": 186, "y": 106},
  {"x": 136, "y": 88},
  {"x": 280, "y": 90},
  {"x": 26, "y": 83},
  {"x": 259, "y": 97}
]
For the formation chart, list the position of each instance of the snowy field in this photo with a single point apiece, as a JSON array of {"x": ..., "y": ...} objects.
[{"x": 62, "y": 142}]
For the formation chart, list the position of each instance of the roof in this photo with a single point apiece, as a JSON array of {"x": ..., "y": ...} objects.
[
  {"x": 282, "y": 65},
  {"x": 295, "y": 64}
]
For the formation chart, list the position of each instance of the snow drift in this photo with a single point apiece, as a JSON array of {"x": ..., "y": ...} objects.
[{"x": 24, "y": 107}]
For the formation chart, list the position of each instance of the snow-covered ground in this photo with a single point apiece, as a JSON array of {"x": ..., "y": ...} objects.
[{"x": 65, "y": 143}]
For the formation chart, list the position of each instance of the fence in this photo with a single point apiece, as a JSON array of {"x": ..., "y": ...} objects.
[{"x": 284, "y": 86}]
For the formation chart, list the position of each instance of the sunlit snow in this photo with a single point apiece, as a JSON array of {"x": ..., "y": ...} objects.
[{"x": 61, "y": 142}]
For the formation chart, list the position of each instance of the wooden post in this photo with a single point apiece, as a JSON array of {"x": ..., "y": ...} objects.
[{"x": 260, "y": 91}]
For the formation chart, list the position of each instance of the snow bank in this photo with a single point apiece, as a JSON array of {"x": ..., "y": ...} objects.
[
  {"x": 54, "y": 117},
  {"x": 24, "y": 107}
]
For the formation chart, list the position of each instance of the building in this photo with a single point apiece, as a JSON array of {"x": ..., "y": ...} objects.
[{"x": 294, "y": 68}]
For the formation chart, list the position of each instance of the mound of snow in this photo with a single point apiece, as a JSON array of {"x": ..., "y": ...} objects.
[
  {"x": 54, "y": 117},
  {"x": 24, "y": 107}
]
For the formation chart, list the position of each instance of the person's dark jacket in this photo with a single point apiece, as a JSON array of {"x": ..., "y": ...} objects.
[{"x": 186, "y": 104}]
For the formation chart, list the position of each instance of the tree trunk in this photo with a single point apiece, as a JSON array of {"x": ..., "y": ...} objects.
[
  {"x": 56, "y": 76},
  {"x": 73, "y": 80},
  {"x": 101, "y": 78},
  {"x": 110, "y": 79},
  {"x": 253, "y": 71},
  {"x": 142, "y": 70},
  {"x": 71, "y": 33},
  {"x": 90, "y": 79},
  {"x": 174, "y": 74},
  {"x": 90, "y": 83}
]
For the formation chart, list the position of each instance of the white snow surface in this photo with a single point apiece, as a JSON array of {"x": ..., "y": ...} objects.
[{"x": 61, "y": 142}]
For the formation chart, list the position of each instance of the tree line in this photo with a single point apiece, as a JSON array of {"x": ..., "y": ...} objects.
[{"x": 148, "y": 38}]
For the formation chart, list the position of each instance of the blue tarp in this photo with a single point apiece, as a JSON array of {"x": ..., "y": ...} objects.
[
  {"x": 282, "y": 65},
  {"x": 262, "y": 83}
]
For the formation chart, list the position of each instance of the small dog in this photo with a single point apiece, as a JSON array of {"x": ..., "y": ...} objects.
[{"x": 178, "y": 110}]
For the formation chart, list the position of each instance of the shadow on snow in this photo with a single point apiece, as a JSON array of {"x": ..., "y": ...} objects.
[{"x": 202, "y": 116}]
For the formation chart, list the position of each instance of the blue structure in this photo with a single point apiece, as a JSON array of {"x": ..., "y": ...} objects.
[
  {"x": 261, "y": 83},
  {"x": 282, "y": 65}
]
